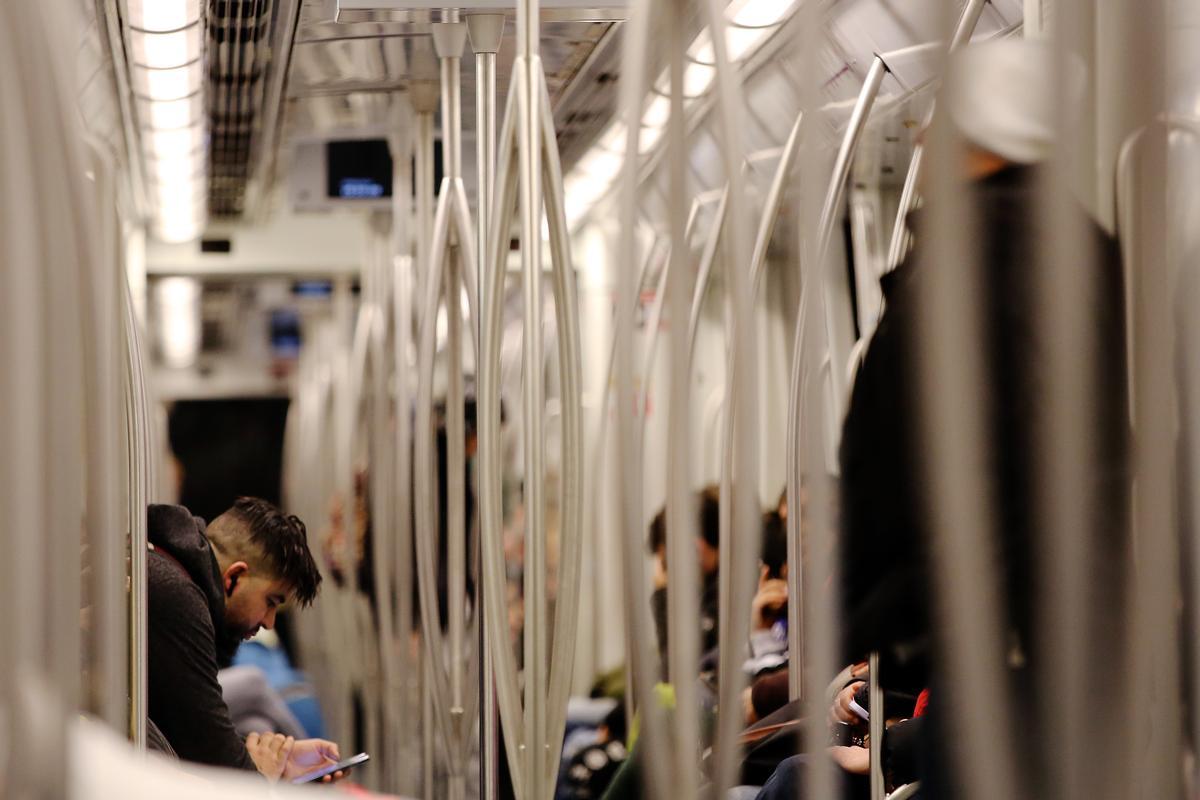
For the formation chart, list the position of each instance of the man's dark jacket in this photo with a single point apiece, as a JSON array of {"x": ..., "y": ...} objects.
[
  {"x": 886, "y": 567},
  {"x": 887, "y": 557},
  {"x": 188, "y": 641}
]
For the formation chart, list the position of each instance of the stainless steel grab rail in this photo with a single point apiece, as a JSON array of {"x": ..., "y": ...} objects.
[
  {"x": 485, "y": 32},
  {"x": 528, "y": 133},
  {"x": 450, "y": 272}
]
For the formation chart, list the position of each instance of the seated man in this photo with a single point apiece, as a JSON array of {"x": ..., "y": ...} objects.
[{"x": 209, "y": 590}]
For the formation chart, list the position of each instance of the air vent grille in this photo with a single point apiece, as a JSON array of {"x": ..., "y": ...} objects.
[{"x": 238, "y": 54}]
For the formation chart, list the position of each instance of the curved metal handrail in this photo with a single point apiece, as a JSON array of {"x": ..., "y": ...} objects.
[
  {"x": 452, "y": 672},
  {"x": 532, "y": 747},
  {"x": 908, "y": 195}
]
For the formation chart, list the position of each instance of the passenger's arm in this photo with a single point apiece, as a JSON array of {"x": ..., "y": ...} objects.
[{"x": 185, "y": 693}]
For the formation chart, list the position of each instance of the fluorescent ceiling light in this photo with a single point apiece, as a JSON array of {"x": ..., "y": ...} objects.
[
  {"x": 166, "y": 50},
  {"x": 168, "y": 84},
  {"x": 759, "y": 13},
  {"x": 180, "y": 222},
  {"x": 168, "y": 114},
  {"x": 177, "y": 143},
  {"x": 162, "y": 15},
  {"x": 185, "y": 193},
  {"x": 174, "y": 170},
  {"x": 178, "y": 302}
]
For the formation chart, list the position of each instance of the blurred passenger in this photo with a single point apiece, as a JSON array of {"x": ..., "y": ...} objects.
[
  {"x": 254, "y": 706},
  {"x": 769, "y": 609},
  {"x": 708, "y": 502},
  {"x": 1004, "y": 109},
  {"x": 209, "y": 589}
]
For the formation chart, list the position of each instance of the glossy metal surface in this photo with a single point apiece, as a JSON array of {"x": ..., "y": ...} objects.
[
  {"x": 450, "y": 274},
  {"x": 485, "y": 34},
  {"x": 629, "y": 481}
]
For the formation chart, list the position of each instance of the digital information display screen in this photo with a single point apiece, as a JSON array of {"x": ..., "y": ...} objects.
[{"x": 358, "y": 169}]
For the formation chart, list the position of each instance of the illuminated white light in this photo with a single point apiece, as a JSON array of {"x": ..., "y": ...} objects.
[
  {"x": 174, "y": 170},
  {"x": 658, "y": 113},
  {"x": 649, "y": 138},
  {"x": 614, "y": 139},
  {"x": 166, "y": 50},
  {"x": 178, "y": 231},
  {"x": 179, "y": 222},
  {"x": 759, "y": 13},
  {"x": 168, "y": 84},
  {"x": 187, "y": 192},
  {"x": 739, "y": 42},
  {"x": 178, "y": 307},
  {"x": 167, "y": 114},
  {"x": 177, "y": 143},
  {"x": 601, "y": 164},
  {"x": 162, "y": 15},
  {"x": 697, "y": 79}
]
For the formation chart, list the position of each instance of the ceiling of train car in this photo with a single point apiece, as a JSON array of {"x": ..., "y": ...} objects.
[
  {"x": 345, "y": 72},
  {"x": 905, "y": 34}
]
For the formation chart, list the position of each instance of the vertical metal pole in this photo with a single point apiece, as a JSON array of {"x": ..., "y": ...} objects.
[
  {"x": 529, "y": 151},
  {"x": 742, "y": 392},
  {"x": 138, "y": 542},
  {"x": 566, "y": 306},
  {"x": 806, "y": 415},
  {"x": 1134, "y": 39},
  {"x": 402, "y": 266},
  {"x": 629, "y": 495},
  {"x": 485, "y": 32},
  {"x": 449, "y": 38},
  {"x": 424, "y": 97},
  {"x": 878, "y": 717},
  {"x": 1077, "y": 551},
  {"x": 683, "y": 590},
  {"x": 952, "y": 426},
  {"x": 495, "y": 581}
]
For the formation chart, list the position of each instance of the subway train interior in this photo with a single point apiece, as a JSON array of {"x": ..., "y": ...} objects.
[{"x": 409, "y": 400}]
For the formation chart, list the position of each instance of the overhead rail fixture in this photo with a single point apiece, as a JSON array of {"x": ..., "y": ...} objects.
[
  {"x": 452, "y": 268},
  {"x": 529, "y": 174},
  {"x": 166, "y": 47},
  {"x": 474, "y": 5},
  {"x": 750, "y": 23}
]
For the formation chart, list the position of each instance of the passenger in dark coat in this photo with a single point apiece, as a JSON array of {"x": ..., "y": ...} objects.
[
  {"x": 209, "y": 590},
  {"x": 886, "y": 559}
]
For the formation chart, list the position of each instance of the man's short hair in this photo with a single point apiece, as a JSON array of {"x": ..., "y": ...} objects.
[
  {"x": 774, "y": 543},
  {"x": 708, "y": 516},
  {"x": 258, "y": 533},
  {"x": 657, "y": 538}
]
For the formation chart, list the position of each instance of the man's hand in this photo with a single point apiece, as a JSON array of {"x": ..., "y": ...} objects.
[
  {"x": 772, "y": 595},
  {"x": 309, "y": 755},
  {"x": 840, "y": 710},
  {"x": 270, "y": 753},
  {"x": 855, "y": 760}
]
